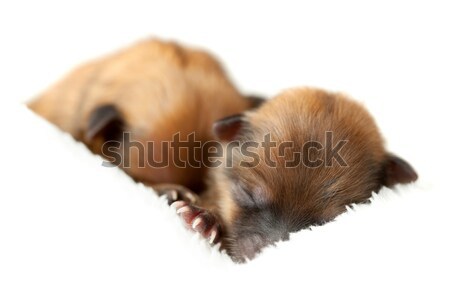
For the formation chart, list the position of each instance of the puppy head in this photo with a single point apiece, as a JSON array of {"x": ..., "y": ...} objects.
[{"x": 303, "y": 157}]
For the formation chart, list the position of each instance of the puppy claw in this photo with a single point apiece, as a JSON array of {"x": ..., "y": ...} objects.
[
  {"x": 196, "y": 223},
  {"x": 175, "y": 193},
  {"x": 178, "y": 204},
  {"x": 212, "y": 236},
  {"x": 190, "y": 197},
  {"x": 183, "y": 209}
]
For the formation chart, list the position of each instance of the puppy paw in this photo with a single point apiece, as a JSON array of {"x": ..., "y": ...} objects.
[
  {"x": 199, "y": 220},
  {"x": 175, "y": 192}
]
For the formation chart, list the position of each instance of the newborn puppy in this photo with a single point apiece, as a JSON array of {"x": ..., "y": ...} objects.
[
  {"x": 150, "y": 92},
  {"x": 323, "y": 153}
]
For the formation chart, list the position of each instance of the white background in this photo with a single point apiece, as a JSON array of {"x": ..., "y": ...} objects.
[{"x": 391, "y": 55}]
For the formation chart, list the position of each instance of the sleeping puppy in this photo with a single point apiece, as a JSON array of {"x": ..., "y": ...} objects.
[
  {"x": 152, "y": 91},
  {"x": 316, "y": 153},
  {"x": 263, "y": 170},
  {"x": 302, "y": 158}
]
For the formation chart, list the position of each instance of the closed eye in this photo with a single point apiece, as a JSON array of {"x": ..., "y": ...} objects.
[
  {"x": 254, "y": 198},
  {"x": 243, "y": 196}
]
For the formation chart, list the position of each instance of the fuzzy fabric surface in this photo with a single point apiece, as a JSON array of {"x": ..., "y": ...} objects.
[{"x": 73, "y": 229}]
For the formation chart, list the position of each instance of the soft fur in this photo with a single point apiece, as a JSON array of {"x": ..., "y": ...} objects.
[
  {"x": 153, "y": 89},
  {"x": 156, "y": 90}
]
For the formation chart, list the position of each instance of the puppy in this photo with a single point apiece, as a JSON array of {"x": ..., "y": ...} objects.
[
  {"x": 278, "y": 166},
  {"x": 152, "y": 91},
  {"x": 260, "y": 195}
]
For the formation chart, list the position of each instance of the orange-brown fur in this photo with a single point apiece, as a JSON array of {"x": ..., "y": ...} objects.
[
  {"x": 281, "y": 200},
  {"x": 160, "y": 88}
]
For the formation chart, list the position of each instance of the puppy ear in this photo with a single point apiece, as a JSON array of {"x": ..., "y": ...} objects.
[
  {"x": 227, "y": 129},
  {"x": 105, "y": 122},
  {"x": 255, "y": 101},
  {"x": 397, "y": 170}
]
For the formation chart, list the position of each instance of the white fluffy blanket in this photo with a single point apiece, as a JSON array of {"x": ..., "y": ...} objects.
[{"x": 72, "y": 229}]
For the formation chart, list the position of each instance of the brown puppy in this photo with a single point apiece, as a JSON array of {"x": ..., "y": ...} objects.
[
  {"x": 153, "y": 91},
  {"x": 311, "y": 154}
]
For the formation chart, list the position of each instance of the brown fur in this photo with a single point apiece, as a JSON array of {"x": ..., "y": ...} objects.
[
  {"x": 156, "y": 89},
  {"x": 160, "y": 89},
  {"x": 261, "y": 205}
]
